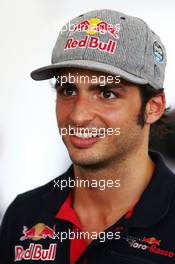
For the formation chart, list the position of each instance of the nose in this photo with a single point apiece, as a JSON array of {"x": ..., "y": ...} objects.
[{"x": 82, "y": 112}]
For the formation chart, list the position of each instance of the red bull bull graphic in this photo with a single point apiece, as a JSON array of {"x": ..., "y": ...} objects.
[
  {"x": 37, "y": 232},
  {"x": 96, "y": 25},
  {"x": 83, "y": 26},
  {"x": 35, "y": 252}
]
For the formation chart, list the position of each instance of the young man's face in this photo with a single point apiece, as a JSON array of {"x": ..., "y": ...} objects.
[{"x": 91, "y": 106}]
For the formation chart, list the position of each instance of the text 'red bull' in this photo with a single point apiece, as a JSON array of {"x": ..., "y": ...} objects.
[
  {"x": 35, "y": 252},
  {"x": 92, "y": 43}
]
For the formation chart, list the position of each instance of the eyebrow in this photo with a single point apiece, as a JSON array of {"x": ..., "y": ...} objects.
[
  {"x": 98, "y": 86},
  {"x": 109, "y": 86},
  {"x": 58, "y": 85}
]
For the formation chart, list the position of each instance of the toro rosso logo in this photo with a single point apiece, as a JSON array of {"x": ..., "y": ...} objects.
[
  {"x": 92, "y": 27},
  {"x": 37, "y": 232},
  {"x": 149, "y": 244}
]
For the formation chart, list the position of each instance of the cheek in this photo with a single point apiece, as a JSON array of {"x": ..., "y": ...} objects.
[
  {"x": 114, "y": 117},
  {"x": 62, "y": 112},
  {"x": 120, "y": 117}
]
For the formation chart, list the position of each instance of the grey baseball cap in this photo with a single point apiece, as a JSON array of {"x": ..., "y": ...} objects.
[{"x": 111, "y": 42}]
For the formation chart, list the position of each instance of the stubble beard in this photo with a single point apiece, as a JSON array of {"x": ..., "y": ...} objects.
[{"x": 111, "y": 153}]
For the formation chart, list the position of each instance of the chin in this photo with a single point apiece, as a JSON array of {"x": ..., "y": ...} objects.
[
  {"x": 92, "y": 162},
  {"x": 83, "y": 162}
]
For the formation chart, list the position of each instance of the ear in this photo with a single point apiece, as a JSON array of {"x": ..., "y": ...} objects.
[{"x": 155, "y": 108}]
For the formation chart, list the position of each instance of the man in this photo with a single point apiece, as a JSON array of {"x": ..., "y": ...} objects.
[{"x": 115, "y": 204}]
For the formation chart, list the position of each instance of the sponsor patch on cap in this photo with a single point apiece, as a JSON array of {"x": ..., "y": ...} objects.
[{"x": 158, "y": 52}]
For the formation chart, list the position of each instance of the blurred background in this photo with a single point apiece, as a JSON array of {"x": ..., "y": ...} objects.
[{"x": 31, "y": 151}]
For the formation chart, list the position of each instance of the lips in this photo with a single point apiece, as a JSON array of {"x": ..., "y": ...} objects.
[
  {"x": 85, "y": 135},
  {"x": 84, "y": 140}
]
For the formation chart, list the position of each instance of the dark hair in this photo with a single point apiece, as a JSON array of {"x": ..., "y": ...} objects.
[{"x": 161, "y": 127}]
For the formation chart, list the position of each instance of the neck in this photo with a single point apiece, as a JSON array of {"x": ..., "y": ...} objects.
[{"x": 134, "y": 173}]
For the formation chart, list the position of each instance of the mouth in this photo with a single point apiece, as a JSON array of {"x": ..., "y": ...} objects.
[
  {"x": 86, "y": 135},
  {"x": 84, "y": 140}
]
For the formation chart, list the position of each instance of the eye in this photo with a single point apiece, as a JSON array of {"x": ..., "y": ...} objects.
[
  {"x": 68, "y": 91},
  {"x": 108, "y": 94}
]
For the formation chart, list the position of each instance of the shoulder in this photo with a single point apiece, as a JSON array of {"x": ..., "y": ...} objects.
[
  {"x": 35, "y": 206},
  {"x": 34, "y": 202}
]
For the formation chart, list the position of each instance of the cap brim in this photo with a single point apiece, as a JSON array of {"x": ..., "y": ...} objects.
[{"x": 50, "y": 71}]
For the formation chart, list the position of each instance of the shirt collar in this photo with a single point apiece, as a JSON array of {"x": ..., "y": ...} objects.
[{"x": 66, "y": 212}]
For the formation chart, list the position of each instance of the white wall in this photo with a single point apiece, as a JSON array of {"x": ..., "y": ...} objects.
[{"x": 31, "y": 152}]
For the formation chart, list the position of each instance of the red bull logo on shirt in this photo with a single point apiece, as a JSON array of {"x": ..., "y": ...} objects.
[
  {"x": 35, "y": 252},
  {"x": 92, "y": 27},
  {"x": 37, "y": 232}
]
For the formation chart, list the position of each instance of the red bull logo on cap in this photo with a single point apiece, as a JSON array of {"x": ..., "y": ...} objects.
[
  {"x": 92, "y": 27},
  {"x": 37, "y": 232}
]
